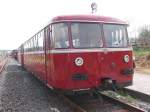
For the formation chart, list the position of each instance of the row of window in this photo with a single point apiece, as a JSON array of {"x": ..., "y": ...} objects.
[
  {"x": 88, "y": 35},
  {"x": 35, "y": 43},
  {"x": 84, "y": 35}
]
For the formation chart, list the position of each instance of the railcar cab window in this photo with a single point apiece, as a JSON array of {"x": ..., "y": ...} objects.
[
  {"x": 115, "y": 35},
  {"x": 60, "y": 35},
  {"x": 86, "y": 35}
]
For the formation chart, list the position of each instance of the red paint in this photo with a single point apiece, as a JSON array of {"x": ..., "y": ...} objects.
[
  {"x": 89, "y": 18},
  {"x": 96, "y": 66}
]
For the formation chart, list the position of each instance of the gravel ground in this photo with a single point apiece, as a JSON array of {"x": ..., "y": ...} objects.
[
  {"x": 92, "y": 104},
  {"x": 21, "y": 92}
]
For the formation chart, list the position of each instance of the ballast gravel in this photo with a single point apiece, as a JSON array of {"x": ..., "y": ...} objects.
[{"x": 22, "y": 92}]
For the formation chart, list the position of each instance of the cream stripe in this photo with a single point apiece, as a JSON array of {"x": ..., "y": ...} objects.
[
  {"x": 88, "y": 50},
  {"x": 59, "y": 51}
]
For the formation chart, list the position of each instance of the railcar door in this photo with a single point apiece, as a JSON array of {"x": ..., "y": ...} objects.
[{"x": 47, "y": 55}]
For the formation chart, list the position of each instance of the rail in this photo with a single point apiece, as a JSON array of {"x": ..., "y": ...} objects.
[
  {"x": 137, "y": 94},
  {"x": 2, "y": 64},
  {"x": 84, "y": 104},
  {"x": 126, "y": 105}
]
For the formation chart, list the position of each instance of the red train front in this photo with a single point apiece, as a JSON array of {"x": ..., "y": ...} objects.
[{"x": 81, "y": 52}]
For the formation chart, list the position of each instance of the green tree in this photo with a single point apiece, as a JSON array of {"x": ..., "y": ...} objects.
[{"x": 144, "y": 33}]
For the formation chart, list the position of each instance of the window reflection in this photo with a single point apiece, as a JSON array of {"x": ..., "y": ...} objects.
[
  {"x": 60, "y": 35},
  {"x": 86, "y": 35},
  {"x": 115, "y": 35}
]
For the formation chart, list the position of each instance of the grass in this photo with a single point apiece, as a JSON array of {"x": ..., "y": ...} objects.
[
  {"x": 139, "y": 52},
  {"x": 121, "y": 96},
  {"x": 142, "y": 64}
]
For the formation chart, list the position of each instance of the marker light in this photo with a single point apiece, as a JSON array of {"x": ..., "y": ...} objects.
[
  {"x": 126, "y": 58},
  {"x": 79, "y": 61},
  {"x": 133, "y": 58}
]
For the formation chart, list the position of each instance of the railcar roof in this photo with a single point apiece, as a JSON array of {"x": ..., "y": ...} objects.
[{"x": 88, "y": 18}]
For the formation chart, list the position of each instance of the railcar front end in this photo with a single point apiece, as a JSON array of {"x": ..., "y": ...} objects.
[{"x": 89, "y": 55}]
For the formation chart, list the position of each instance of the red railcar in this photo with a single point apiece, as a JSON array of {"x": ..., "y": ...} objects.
[{"x": 80, "y": 52}]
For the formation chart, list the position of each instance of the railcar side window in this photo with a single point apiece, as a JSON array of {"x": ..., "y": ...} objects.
[
  {"x": 35, "y": 42},
  {"x": 115, "y": 35},
  {"x": 86, "y": 35},
  {"x": 40, "y": 40},
  {"x": 60, "y": 35},
  {"x": 31, "y": 41}
]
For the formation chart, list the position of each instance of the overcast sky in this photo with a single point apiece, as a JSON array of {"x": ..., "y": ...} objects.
[{"x": 20, "y": 19}]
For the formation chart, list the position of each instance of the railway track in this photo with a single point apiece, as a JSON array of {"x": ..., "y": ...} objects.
[
  {"x": 125, "y": 105},
  {"x": 2, "y": 64},
  {"x": 105, "y": 103},
  {"x": 137, "y": 95}
]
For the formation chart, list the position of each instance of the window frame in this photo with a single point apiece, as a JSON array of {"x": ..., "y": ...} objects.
[
  {"x": 101, "y": 45},
  {"x": 127, "y": 37},
  {"x": 52, "y": 37},
  {"x": 40, "y": 36}
]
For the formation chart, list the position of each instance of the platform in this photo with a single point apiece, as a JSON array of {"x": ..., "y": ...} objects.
[{"x": 141, "y": 83}]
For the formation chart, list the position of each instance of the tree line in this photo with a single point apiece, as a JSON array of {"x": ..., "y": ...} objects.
[{"x": 143, "y": 39}]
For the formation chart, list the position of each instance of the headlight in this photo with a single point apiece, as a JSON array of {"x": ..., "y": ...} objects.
[
  {"x": 126, "y": 58},
  {"x": 133, "y": 58},
  {"x": 79, "y": 61}
]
